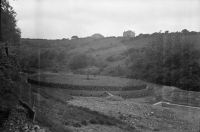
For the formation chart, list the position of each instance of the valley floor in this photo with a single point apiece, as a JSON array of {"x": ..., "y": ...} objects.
[
  {"x": 111, "y": 113},
  {"x": 144, "y": 117}
]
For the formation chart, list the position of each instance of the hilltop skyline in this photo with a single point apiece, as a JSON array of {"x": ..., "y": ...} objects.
[{"x": 65, "y": 18}]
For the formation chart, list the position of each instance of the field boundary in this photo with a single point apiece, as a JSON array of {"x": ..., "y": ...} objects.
[
  {"x": 82, "y": 87},
  {"x": 91, "y": 91},
  {"x": 164, "y": 104}
]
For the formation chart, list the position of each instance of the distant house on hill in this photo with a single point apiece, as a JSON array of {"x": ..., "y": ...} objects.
[
  {"x": 97, "y": 36},
  {"x": 129, "y": 34}
]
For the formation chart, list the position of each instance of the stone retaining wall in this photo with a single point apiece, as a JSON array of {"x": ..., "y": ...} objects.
[
  {"x": 83, "y": 87},
  {"x": 124, "y": 94},
  {"x": 96, "y": 91}
]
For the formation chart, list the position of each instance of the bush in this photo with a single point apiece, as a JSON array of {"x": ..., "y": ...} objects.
[
  {"x": 93, "y": 121},
  {"x": 79, "y": 61},
  {"x": 100, "y": 121},
  {"x": 66, "y": 123},
  {"x": 109, "y": 123},
  {"x": 84, "y": 122},
  {"x": 76, "y": 125},
  {"x": 110, "y": 59},
  {"x": 122, "y": 117}
]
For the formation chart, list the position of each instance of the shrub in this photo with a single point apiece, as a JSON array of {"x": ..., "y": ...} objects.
[
  {"x": 79, "y": 61},
  {"x": 122, "y": 117},
  {"x": 109, "y": 123},
  {"x": 93, "y": 121},
  {"x": 66, "y": 123},
  {"x": 84, "y": 122},
  {"x": 101, "y": 121},
  {"x": 110, "y": 59},
  {"x": 76, "y": 125}
]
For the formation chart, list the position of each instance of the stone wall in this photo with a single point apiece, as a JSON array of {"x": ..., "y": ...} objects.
[
  {"x": 96, "y": 91},
  {"x": 124, "y": 94},
  {"x": 83, "y": 87}
]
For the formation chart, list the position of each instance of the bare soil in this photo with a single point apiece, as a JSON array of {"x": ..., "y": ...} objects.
[{"x": 144, "y": 117}]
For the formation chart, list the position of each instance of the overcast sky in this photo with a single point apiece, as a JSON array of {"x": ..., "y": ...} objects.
[{"x": 55, "y": 19}]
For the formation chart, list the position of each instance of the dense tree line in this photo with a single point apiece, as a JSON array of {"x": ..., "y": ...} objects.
[
  {"x": 56, "y": 60},
  {"x": 9, "y": 68},
  {"x": 9, "y": 30},
  {"x": 48, "y": 59},
  {"x": 170, "y": 59}
]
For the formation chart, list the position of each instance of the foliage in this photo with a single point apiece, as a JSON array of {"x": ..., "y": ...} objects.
[
  {"x": 170, "y": 59},
  {"x": 80, "y": 61},
  {"x": 76, "y": 125},
  {"x": 93, "y": 121},
  {"x": 84, "y": 122},
  {"x": 45, "y": 59},
  {"x": 9, "y": 78},
  {"x": 9, "y": 30},
  {"x": 74, "y": 37}
]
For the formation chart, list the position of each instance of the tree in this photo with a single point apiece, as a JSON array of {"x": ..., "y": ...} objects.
[
  {"x": 9, "y": 68},
  {"x": 166, "y": 32},
  {"x": 78, "y": 61},
  {"x": 170, "y": 59},
  {"x": 9, "y": 30},
  {"x": 185, "y": 31},
  {"x": 74, "y": 37}
]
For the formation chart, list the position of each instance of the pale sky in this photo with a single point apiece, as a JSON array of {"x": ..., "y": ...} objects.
[{"x": 56, "y": 19}]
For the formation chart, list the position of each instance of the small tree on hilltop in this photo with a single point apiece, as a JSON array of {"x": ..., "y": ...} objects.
[
  {"x": 74, "y": 37},
  {"x": 185, "y": 31}
]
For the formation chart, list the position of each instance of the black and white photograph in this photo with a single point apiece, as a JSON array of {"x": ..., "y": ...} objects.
[{"x": 100, "y": 66}]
